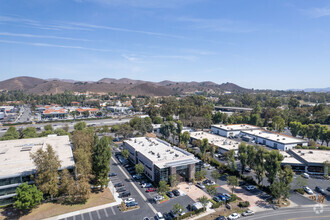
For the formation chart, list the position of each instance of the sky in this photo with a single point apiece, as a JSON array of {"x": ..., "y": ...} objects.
[{"x": 260, "y": 44}]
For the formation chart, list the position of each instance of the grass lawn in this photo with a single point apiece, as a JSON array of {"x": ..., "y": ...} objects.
[{"x": 47, "y": 210}]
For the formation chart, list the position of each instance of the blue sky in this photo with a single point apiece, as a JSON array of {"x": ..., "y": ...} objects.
[{"x": 261, "y": 44}]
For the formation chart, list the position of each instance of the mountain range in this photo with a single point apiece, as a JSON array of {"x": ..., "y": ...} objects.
[{"x": 126, "y": 86}]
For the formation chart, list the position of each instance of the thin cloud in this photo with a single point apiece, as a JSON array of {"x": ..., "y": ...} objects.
[
  {"x": 40, "y": 36},
  {"x": 123, "y": 30},
  {"x": 217, "y": 25},
  {"x": 317, "y": 12},
  {"x": 54, "y": 45}
]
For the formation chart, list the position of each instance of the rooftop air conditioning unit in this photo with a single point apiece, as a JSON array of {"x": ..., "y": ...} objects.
[
  {"x": 299, "y": 151},
  {"x": 302, "y": 154},
  {"x": 310, "y": 152}
]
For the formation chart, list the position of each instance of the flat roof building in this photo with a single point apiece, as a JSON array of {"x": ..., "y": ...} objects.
[
  {"x": 232, "y": 130},
  {"x": 274, "y": 140},
  {"x": 160, "y": 159},
  {"x": 224, "y": 144},
  {"x": 17, "y": 166}
]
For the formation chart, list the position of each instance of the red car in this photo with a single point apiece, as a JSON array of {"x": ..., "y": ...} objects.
[{"x": 151, "y": 190}]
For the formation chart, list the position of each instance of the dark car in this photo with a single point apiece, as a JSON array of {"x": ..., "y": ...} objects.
[
  {"x": 320, "y": 190},
  {"x": 119, "y": 185},
  {"x": 112, "y": 174},
  {"x": 217, "y": 199},
  {"x": 130, "y": 168},
  {"x": 176, "y": 192},
  {"x": 167, "y": 216},
  {"x": 170, "y": 194},
  {"x": 124, "y": 194},
  {"x": 328, "y": 188},
  {"x": 221, "y": 218},
  {"x": 131, "y": 204},
  {"x": 123, "y": 189}
]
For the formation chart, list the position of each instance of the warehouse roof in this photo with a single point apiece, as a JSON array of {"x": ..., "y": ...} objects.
[
  {"x": 312, "y": 156},
  {"x": 160, "y": 152},
  {"x": 236, "y": 127},
  {"x": 15, "y": 154},
  {"x": 219, "y": 141}
]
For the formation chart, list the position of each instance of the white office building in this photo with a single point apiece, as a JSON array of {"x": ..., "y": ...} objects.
[{"x": 231, "y": 130}]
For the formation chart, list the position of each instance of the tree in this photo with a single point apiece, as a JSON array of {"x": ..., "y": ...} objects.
[
  {"x": 10, "y": 134},
  {"x": 203, "y": 200},
  {"x": 233, "y": 182},
  {"x": 48, "y": 128},
  {"x": 139, "y": 168},
  {"x": 278, "y": 123},
  {"x": 157, "y": 120},
  {"x": 293, "y": 103},
  {"x": 101, "y": 159},
  {"x": 259, "y": 166},
  {"x": 243, "y": 155},
  {"x": 167, "y": 129},
  {"x": 185, "y": 137},
  {"x": 177, "y": 208},
  {"x": 199, "y": 175},
  {"x": 295, "y": 127},
  {"x": 276, "y": 189},
  {"x": 179, "y": 128},
  {"x": 163, "y": 187},
  {"x": 124, "y": 130},
  {"x": 173, "y": 180},
  {"x": 211, "y": 190},
  {"x": 230, "y": 157},
  {"x": 273, "y": 165},
  {"x": 125, "y": 153},
  {"x": 80, "y": 126},
  {"x": 254, "y": 119},
  {"x": 67, "y": 185},
  {"x": 301, "y": 182},
  {"x": 215, "y": 175},
  {"x": 47, "y": 164},
  {"x": 204, "y": 145},
  {"x": 251, "y": 156},
  {"x": 27, "y": 197},
  {"x": 29, "y": 132}
]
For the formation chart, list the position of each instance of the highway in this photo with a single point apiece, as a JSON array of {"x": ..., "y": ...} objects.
[{"x": 59, "y": 124}]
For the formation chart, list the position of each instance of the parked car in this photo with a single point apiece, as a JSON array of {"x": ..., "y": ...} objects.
[
  {"x": 305, "y": 175},
  {"x": 158, "y": 198},
  {"x": 131, "y": 204},
  {"x": 124, "y": 194},
  {"x": 119, "y": 184},
  {"x": 216, "y": 199},
  {"x": 123, "y": 189},
  {"x": 233, "y": 216},
  {"x": 320, "y": 190},
  {"x": 308, "y": 190},
  {"x": 159, "y": 216},
  {"x": 174, "y": 215},
  {"x": 146, "y": 185},
  {"x": 200, "y": 185},
  {"x": 208, "y": 182},
  {"x": 248, "y": 213},
  {"x": 328, "y": 188},
  {"x": 250, "y": 187},
  {"x": 226, "y": 195},
  {"x": 228, "y": 206},
  {"x": 151, "y": 190},
  {"x": 170, "y": 194},
  {"x": 176, "y": 192},
  {"x": 167, "y": 216},
  {"x": 137, "y": 176},
  {"x": 247, "y": 169},
  {"x": 130, "y": 168},
  {"x": 221, "y": 218},
  {"x": 129, "y": 200},
  {"x": 112, "y": 174},
  {"x": 222, "y": 197}
]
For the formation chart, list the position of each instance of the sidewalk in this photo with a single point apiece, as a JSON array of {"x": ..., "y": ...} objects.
[{"x": 117, "y": 202}]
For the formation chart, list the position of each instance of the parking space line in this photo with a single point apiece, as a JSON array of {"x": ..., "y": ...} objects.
[
  {"x": 133, "y": 184},
  {"x": 74, "y": 217},
  {"x": 90, "y": 216},
  {"x": 106, "y": 213},
  {"x": 98, "y": 214},
  {"x": 82, "y": 217},
  {"x": 113, "y": 211}
]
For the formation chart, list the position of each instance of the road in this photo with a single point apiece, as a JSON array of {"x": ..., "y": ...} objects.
[
  {"x": 25, "y": 115},
  {"x": 99, "y": 122},
  {"x": 306, "y": 213}
]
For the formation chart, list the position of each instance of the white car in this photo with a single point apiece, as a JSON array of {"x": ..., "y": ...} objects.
[
  {"x": 250, "y": 187},
  {"x": 146, "y": 185},
  {"x": 158, "y": 198},
  {"x": 248, "y": 213},
  {"x": 159, "y": 216},
  {"x": 305, "y": 175},
  {"x": 308, "y": 190},
  {"x": 128, "y": 200},
  {"x": 233, "y": 216}
]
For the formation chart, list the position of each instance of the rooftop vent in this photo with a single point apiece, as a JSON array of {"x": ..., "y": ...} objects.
[
  {"x": 299, "y": 151},
  {"x": 158, "y": 155},
  {"x": 4, "y": 151},
  {"x": 310, "y": 152}
]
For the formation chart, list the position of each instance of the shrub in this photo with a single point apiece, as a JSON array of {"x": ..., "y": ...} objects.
[
  {"x": 234, "y": 197},
  {"x": 217, "y": 205},
  {"x": 300, "y": 190},
  {"x": 244, "y": 204},
  {"x": 215, "y": 163},
  {"x": 249, "y": 180}
]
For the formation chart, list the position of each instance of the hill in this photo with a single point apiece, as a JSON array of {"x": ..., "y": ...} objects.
[{"x": 106, "y": 85}]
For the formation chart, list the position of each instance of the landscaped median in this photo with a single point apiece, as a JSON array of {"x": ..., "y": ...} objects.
[
  {"x": 164, "y": 200},
  {"x": 123, "y": 207}
]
